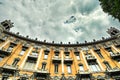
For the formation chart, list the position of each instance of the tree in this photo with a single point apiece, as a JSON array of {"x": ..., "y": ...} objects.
[{"x": 112, "y": 7}]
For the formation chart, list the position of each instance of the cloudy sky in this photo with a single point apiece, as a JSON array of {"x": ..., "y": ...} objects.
[{"x": 58, "y": 20}]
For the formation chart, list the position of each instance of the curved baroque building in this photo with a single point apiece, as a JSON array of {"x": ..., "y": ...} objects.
[{"x": 22, "y": 58}]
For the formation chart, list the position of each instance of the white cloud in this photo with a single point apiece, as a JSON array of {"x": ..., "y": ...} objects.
[{"x": 45, "y": 19}]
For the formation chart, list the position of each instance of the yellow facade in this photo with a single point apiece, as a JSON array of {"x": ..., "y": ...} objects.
[{"x": 22, "y": 58}]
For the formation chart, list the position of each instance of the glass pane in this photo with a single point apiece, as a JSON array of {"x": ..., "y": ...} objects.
[
  {"x": 22, "y": 52},
  {"x": 1, "y": 58},
  {"x": 78, "y": 57},
  {"x": 45, "y": 56},
  {"x": 69, "y": 69},
  {"x": 81, "y": 68}
]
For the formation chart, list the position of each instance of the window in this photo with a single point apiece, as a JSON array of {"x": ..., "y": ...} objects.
[
  {"x": 1, "y": 58},
  {"x": 56, "y": 53},
  {"x": 5, "y": 78},
  {"x": 34, "y": 53},
  {"x": 94, "y": 67},
  {"x": 5, "y": 37},
  {"x": 77, "y": 55},
  {"x": 22, "y": 52},
  {"x": 10, "y": 47},
  {"x": 107, "y": 65},
  {"x": 29, "y": 64},
  {"x": 99, "y": 54},
  {"x": 56, "y": 68},
  {"x": 46, "y": 54},
  {"x": 81, "y": 68},
  {"x": 43, "y": 66},
  {"x": 15, "y": 61},
  {"x": 69, "y": 69},
  {"x": 67, "y": 54}
]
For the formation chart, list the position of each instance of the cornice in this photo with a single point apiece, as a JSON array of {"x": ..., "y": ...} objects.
[{"x": 61, "y": 44}]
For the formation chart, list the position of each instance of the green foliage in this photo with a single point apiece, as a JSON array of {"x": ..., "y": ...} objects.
[{"x": 112, "y": 7}]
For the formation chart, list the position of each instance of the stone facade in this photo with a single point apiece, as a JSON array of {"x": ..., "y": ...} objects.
[{"x": 22, "y": 58}]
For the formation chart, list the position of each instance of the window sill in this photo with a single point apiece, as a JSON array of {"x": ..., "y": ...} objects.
[
  {"x": 56, "y": 72},
  {"x": 45, "y": 59},
  {"x": 69, "y": 73}
]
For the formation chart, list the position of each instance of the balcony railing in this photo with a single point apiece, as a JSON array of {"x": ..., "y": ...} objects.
[
  {"x": 115, "y": 56},
  {"x": 10, "y": 67},
  {"x": 113, "y": 72},
  {"x": 68, "y": 60},
  {"x": 42, "y": 71},
  {"x": 90, "y": 58},
  {"x": 34, "y": 56},
  {"x": 56, "y": 59},
  {"x": 5, "y": 52},
  {"x": 84, "y": 72}
]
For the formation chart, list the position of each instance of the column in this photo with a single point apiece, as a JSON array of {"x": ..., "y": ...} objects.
[
  {"x": 62, "y": 58},
  {"x": 25, "y": 58},
  {"x": 84, "y": 60},
  {"x": 5, "y": 44},
  {"x": 38, "y": 60},
  {"x": 1, "y": 28},
  {"x": 92, "y": 52},
  {"x": 115, "y": 48}
]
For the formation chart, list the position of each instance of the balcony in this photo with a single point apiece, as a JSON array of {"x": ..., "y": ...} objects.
[
  {"x": 83, "y": 74},
  {"x": 90, "y": 58},
  {"x": 33, "y": 56},
  {"x": 6, "y": 66},
  {"x": 9, "y": 69},
  {"x": 56, "y": 59},
  {"x": 24, "y": 76},
  {"x": 113, "y": 72},
  {"x": 5, "y": 52},
  {"x": 41, "y": 74},
  {"x": 115, "y": 56},
  {"x": 68, "y": 60}
]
